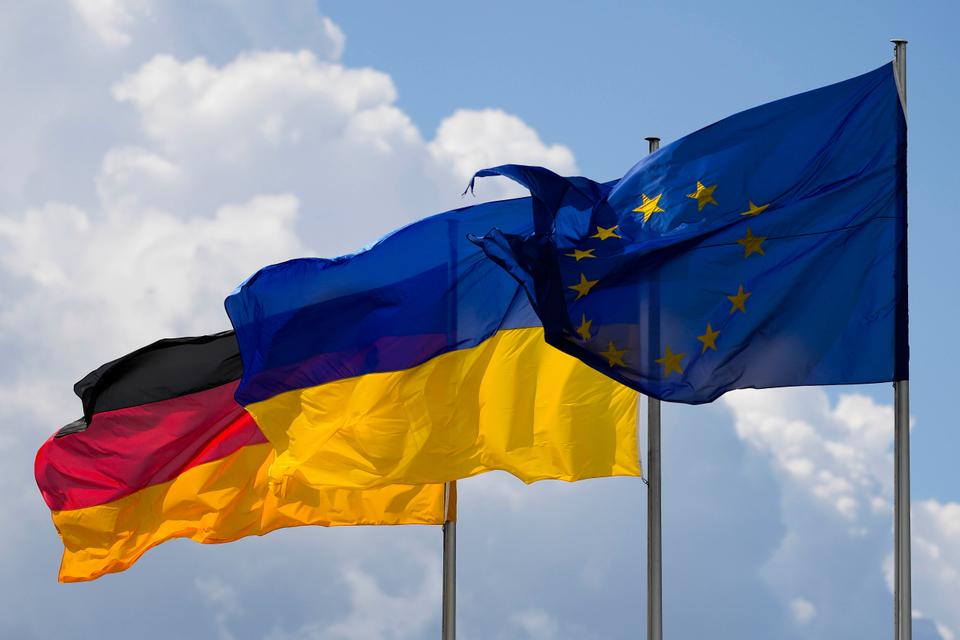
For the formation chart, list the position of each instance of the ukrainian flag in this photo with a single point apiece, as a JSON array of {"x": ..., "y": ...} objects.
[{"x": 418, "y": 360}]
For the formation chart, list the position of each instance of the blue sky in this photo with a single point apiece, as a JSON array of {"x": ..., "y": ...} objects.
[{"x": 157, "y": 153}]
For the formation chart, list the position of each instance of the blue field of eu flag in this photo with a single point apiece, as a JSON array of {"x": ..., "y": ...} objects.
[{"x": 766, "y": 250}]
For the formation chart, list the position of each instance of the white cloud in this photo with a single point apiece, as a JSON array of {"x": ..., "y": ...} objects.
[
  {"x": 266, "y": 98},
  {"x": 477, "y": 139},
  {"x": 497, "y": 488},
  {"x": 123, "y": 25},
  {"x": 132, "y": 177},
  {"x": 136, "y": 274},
  {"x": 222, "y": 599},
  {"x": 63, "y": 115},
  {"x": 803, "y": 610},
  {"x": 282, "y": 121},
  {"x": 471, "y": 140},
  {"x": 840, "y": 454},
  {"x": 338, "y": 40},
  {"x": 111, "y": 19},
  {"x": 936, "y": 562},
  {"x": 84, "y": 288},
  {"x": 835, "y": 461},
  {"x": 535, "y": 624},
  {"x": 377, "y": 614}
]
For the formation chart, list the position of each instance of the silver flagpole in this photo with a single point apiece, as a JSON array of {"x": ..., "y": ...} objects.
[
  {"x": 903, "y": 622},
  {"x": 654, "y": 550},
  {"x": 448, "y": 623}
]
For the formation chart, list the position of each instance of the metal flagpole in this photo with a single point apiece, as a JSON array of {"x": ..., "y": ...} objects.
[
  {"x": 902, "y": 617},
  {"x": 654, "y": 550},
  {"x": 448, "y": 623}
]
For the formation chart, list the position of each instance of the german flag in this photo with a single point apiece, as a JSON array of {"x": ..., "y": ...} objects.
[{"x": 164, "y": 451}]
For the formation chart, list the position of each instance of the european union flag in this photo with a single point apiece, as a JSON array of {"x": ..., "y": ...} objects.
[{"x": 766, "y": 250}]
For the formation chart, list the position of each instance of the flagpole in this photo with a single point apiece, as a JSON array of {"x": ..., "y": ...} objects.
[
  {"x": 448, "y": 623},
  {"x": 903, "y": 623},
  {"x": 654, "y": 549}
]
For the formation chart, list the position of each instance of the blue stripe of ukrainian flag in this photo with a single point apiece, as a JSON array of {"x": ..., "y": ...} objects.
[{"x": 418, "y": 360}]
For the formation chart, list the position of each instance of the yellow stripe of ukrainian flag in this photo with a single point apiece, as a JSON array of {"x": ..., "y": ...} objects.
[{"x": 512, "y": 403}]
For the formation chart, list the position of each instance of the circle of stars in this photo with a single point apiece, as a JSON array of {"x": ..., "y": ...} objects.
[{"x": 670, "y": 361}]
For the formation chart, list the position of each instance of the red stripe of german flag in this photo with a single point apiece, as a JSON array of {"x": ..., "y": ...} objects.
[{"x": 163, "y": 451}]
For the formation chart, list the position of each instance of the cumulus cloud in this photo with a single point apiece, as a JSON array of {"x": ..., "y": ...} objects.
[
  {"x": 111, "y": 19},
  {"x": 840, "y": 454},
  {"x": 134, "y": 276},
  {"x": 63, "y": 115},
  {"x": 222, "y": 600},
  {"x": 535, "y": 624},
  {"x": 283, "y": 121},
  {"x": 259, "y": 98},
  {"x": 473, "y": 140},
  {"x": 835, "y": 461},
  {"x": 936, "y": 563},
  {"x": 118, "y": 24},
  {"x": 377, "y": 614}
]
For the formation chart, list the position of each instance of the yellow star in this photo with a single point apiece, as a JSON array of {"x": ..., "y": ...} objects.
[
  {"x": 584, "y": 329},
  {"x": 603, "y": 234},
  {"x": 751, "y": 243},
  {"x": 703, "y": 195},
  {"x": 583, "y": 287},
  {"x": 754, "y": 210},
  {"x": 738, "y": 300},
  {"x": 613, "y": 355},
  {"x": 580, "y": 255},
  {"x": 709, "y": 339},
  {"x": 671, "y": 362},
  {"x": 649, "y": 206}
]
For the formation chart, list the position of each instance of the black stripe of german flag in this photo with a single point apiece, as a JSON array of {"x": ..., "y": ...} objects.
[{"x": 160, "y": 371}]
